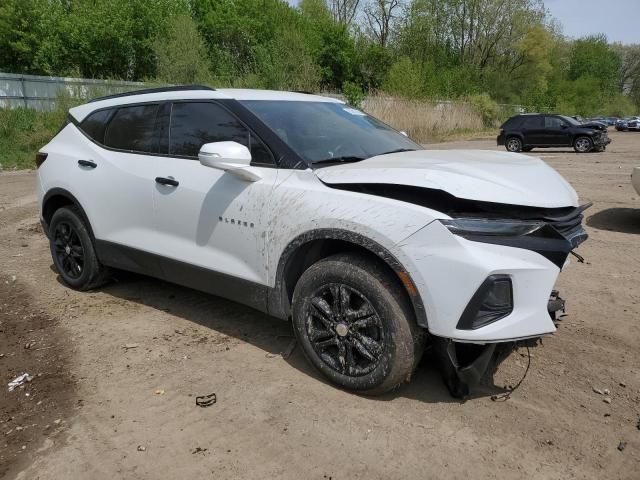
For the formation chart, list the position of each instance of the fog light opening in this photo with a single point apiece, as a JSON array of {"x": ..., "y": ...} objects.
[{"x": 491, "y": 302}]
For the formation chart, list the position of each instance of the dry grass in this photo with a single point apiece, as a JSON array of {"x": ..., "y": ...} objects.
[{"x": 425, "y": 122}]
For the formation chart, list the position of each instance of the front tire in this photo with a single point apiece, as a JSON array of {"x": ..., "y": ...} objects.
[
  {"x": 583, "y": 145},
  {"x": 73, "y": 252},
  {"x": 514, "y": 144},
  {"x": 355, "y": 324}
]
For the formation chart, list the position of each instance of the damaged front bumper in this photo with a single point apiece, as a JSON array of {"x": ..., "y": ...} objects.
[
  {"x": 463, "y": 365},
  {"x": 449, "y": 272},
  {"x": 602, "y": 140}
]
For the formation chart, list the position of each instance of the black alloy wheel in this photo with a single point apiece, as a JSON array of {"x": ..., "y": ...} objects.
[
  {"x": 355, "y": 323},
  {"x": 344, "y": 329},
  {"x": 72, "y": 250},
  {"x": 68, "y": 249}
]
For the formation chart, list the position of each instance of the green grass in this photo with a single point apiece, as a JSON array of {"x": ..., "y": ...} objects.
[{"x": 23, "y": 132}]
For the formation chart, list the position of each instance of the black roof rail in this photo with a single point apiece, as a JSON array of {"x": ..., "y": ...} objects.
[{"x": 176, "y": 88}]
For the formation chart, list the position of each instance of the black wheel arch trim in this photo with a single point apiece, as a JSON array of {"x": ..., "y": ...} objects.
[
  {"x": 279, "y": 304},
  {"x": 61, "y": 192}
]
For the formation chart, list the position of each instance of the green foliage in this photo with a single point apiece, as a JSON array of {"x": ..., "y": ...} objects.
[
  {"x": 405, "y": 79},
  {"x": 20, "y": 22},
  {"x": 593, "y": 57},
  {"x": 105, "y": 39},
  {"x": 486, "y": 108},
  {"x": 181, "y": 53},
  {"x": 353, "y": 94},
  {"x": 23, "y": 132}
]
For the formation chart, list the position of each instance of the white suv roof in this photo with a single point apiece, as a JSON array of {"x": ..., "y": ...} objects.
[{"x": 81, "y": 111}]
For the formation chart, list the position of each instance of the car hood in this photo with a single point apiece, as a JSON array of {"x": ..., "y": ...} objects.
[
  {"x": 594, "y": 125},
  {"x": 482, "y": 175}
]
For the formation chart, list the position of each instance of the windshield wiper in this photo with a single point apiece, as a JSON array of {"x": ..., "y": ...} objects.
[
  {"x": 399, "y": 150},
  {"x": 343, "y": 159}
]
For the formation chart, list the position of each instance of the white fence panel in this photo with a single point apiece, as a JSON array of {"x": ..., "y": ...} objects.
[{"x": 40, "y": 93}]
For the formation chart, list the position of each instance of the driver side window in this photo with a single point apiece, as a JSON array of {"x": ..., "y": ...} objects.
[
  {"x": 553, "y": 122},
  {"x": 195, "y": 123}
]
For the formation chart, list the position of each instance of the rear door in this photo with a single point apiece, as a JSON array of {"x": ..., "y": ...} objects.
[
  {"x": 533, "y": 130},
  {"x": 115, "y": 175},
  {"x": 210, "y": 219}
]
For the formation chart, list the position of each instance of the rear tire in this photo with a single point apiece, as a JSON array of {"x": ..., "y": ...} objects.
[
  {"x": 513, "y": 144},
  {"x": 583, "y": 145},
  {"x": 355, "y": 324},
  {"x": 73, "y": 252}
]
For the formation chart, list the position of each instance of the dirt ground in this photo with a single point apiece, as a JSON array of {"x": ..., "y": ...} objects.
[{"x": 116, "y": 371}]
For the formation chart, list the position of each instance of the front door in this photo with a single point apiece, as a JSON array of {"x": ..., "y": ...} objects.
[
  {"x": 210, "y": 224},
  {"x": 556, "y": 132}
]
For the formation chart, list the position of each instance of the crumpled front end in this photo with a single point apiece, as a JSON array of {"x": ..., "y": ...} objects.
[
  {"x": 485, "y": 278},
  {"x": 489, "y": 280},
  {"x": 601, "y": 139}
]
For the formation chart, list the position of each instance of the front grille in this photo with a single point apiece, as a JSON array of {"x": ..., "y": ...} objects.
[{"x": 566, "y": 224}]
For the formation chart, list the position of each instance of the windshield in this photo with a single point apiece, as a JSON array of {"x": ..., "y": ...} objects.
[{"x": 327, "y": 132}]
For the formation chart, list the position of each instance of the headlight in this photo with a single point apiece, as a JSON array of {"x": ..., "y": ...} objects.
[{"x": 482, "y": 226}]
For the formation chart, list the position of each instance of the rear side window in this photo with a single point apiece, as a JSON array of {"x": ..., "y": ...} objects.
[
  {"x": 513, "y": 122},
  {"x": 532, "y": 122},
  {"x": 133, "y": 129},
  {"x": 195, "y": 123},
  {"x": 94, "y": 125}
]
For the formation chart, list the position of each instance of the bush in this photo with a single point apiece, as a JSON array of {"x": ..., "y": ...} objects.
[
  {"x": 181, "y": 54},
  {"x": 353, "y": 94},
  {"x": 486, "y": 107},
  {"x": 620, "y": 106},
  {"x": 404, "y": 79},
  {"x": 24, "y": 131}
]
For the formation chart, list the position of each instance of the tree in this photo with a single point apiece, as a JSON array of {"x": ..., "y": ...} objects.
[
  {"x": 593, "y": 57},
  {"x": 381, "y": 16},
  {"x": 21, "y": 34},
  {"x": 181, "y": 53},
  {"x": 343, "y": 11},
  {"x": 630, "y": 68}
]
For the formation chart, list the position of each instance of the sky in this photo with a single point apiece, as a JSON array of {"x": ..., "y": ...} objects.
[{"x": 619, "y": 20}]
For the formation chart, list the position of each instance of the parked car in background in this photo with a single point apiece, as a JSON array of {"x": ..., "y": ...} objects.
[
  {"x": 629, "y": 123},
  {"x": 633, "y": 124},
  {"x": 532, "y": 130},
  {"x": 305, "y": 208},
  {"x": 611, "y": 121}
]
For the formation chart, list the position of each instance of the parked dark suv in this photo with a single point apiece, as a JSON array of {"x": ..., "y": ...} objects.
[{"x": 528, "y": 131}]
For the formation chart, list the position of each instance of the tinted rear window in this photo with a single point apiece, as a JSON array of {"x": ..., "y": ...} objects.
[
  {"x": 133, "y": 128},
  {"x": 532, "y": 122},
  {"x": 94, "y": 125},
  {"x": 513, "y": 122}
]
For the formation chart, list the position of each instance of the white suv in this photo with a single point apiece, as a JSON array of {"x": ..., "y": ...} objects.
[{"x": 305, "y": 208}]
